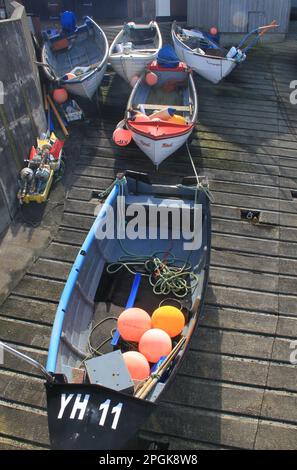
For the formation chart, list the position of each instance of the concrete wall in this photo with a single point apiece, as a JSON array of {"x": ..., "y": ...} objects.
[{"x": 22, "y": 117}]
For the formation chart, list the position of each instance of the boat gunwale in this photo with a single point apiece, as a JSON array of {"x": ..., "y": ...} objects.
[{"x": 70, "y": 284}]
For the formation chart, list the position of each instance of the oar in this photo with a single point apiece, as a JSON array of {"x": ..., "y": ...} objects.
[
  {"x": 130, "y": 304},
  {"x": 56, "y": 113},
  {"x": 156, "y": 376},
  {"x": 29, "y": 360}
]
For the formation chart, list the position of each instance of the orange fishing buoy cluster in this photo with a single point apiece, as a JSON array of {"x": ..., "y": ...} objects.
[
  {"x": 151, "y": 79},
  {"x": 60, "y": 95},
  {"x": 122, "y": 137},
  {"x": 169, "y": 319},
  {"x": 133, "y": 323},
  {"x": 137, "y": 365},
  {"x": 154, "y": 344}
]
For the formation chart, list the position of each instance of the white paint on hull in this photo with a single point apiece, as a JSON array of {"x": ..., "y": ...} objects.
[
  {"x": 159, "y": 150},
  {"x": 213, "y": 69},
  {"x": 128, "y": 66},
  {"x": 88, "y": 87}
]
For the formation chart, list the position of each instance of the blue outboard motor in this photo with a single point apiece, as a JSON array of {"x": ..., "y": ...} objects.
[
  {"x": 68, "y": 22},
  {"x": 167, "y": 57}
]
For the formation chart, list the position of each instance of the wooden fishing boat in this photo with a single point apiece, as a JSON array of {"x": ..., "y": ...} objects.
[
  {"x": 175, "y": 89},
  {"x": 100, "y": 409},
  {"x": 206, "y": 57},
  {"x": 134, "y": 48},
  {"x": 76, "y": 58}
]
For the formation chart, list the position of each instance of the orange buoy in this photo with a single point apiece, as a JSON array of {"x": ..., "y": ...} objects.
[
  {"x": 213, "y": 31},
  {"x": 122, "y": 137},
  {"x": 134, "y": 80},
  {"x": 151, "y": 78},
  {"x": 137, "y": 365},
  {"x": 154, "y": 344},
  {"x": 132, "y": 323},
  {"x": 140, "y": 117},
  {"x": 177, "y": 119},
  {"x": 169, "y": 319},
  {"x": 60, "y": 95}
]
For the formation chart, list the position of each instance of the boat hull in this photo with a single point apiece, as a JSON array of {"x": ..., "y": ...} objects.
[
  {"x": 86, "y": 88},
  {"x": 130, "y": 66},
  {"x": 159, "y": 150},
  {"x": 94, "y": 418},
  {"x": 213, "y": 69}
]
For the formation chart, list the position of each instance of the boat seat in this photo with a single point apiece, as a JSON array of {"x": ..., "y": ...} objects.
[{"x": 162, "y": 106}]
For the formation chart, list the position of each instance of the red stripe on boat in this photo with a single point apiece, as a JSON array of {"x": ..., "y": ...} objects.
[
  {"x": 158, "y": 130},
  {"x": 182, "y": 67}
]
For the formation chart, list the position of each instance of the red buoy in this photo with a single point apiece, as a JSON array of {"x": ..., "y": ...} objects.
[
  {"x": 60, "y": 95},
  {"x": 213, "y": 31},
  {"x": 122, "y": 137},
  {"x": 151, "y": 78}
]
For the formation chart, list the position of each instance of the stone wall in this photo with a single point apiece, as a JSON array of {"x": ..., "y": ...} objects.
[{"x": 21, "y": 115}]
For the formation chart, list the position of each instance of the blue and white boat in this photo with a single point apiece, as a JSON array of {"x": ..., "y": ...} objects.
[{"x": 76, "y": 57}]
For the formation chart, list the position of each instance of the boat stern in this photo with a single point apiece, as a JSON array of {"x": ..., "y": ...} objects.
[{"x": 91, "y": 417}]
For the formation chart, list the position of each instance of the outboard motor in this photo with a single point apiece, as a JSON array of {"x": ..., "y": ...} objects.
[{"x": 68, "y": 22}]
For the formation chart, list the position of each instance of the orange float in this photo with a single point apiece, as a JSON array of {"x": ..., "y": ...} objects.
[
  {"x": 137, "y": 365},
  {"x": 122, "y": 137},
  {"x": 133, "y": 323},
  {"x": 154, "y": 344},
  {"x": 69, "y": 76},
  {"x": 60, "y": 95},
  {"x": 151, "y": 79},
  {"x": 169, "y": 319}
]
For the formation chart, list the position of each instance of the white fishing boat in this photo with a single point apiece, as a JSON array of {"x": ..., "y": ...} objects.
[
  {"x": 76, "y": 58},
  {"x": 173, "y": 94},
  {"x": 135, "y": 47},
  {"x": 206, "y": 57}
]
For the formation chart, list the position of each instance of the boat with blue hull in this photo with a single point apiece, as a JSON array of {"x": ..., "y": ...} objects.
[{"x": 93, "y": 400}]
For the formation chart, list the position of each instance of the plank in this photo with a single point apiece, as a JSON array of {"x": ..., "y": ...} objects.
[{"x": 23, "y": 423}]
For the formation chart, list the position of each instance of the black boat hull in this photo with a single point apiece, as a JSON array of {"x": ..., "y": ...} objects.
[{"x": 91, "y": 417}]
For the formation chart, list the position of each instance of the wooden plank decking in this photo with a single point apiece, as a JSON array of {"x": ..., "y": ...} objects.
[{"x": 237, "y": 387}]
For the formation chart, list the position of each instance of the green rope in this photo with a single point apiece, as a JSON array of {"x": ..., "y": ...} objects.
[{"x": 121, "y": 182}]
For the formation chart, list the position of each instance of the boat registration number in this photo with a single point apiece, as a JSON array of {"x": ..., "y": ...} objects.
[{"x": 75, "y": 406}]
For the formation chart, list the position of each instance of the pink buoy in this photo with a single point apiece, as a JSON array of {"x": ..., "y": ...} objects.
[
  {"x": 154, "y": 344},
  {"x": 60, "y": 95},
  {"x": 122, "y": 137},
  {"x": 151, "y": 79},
  {"x": 132, "y": 323},
  {"x": 134, "y": 80},
  {"x": 137, "y": 365},
  {"x": 213, "y": 31}
]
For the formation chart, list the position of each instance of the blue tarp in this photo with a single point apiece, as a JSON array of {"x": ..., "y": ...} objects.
[{"x": 167, "y": 57}]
